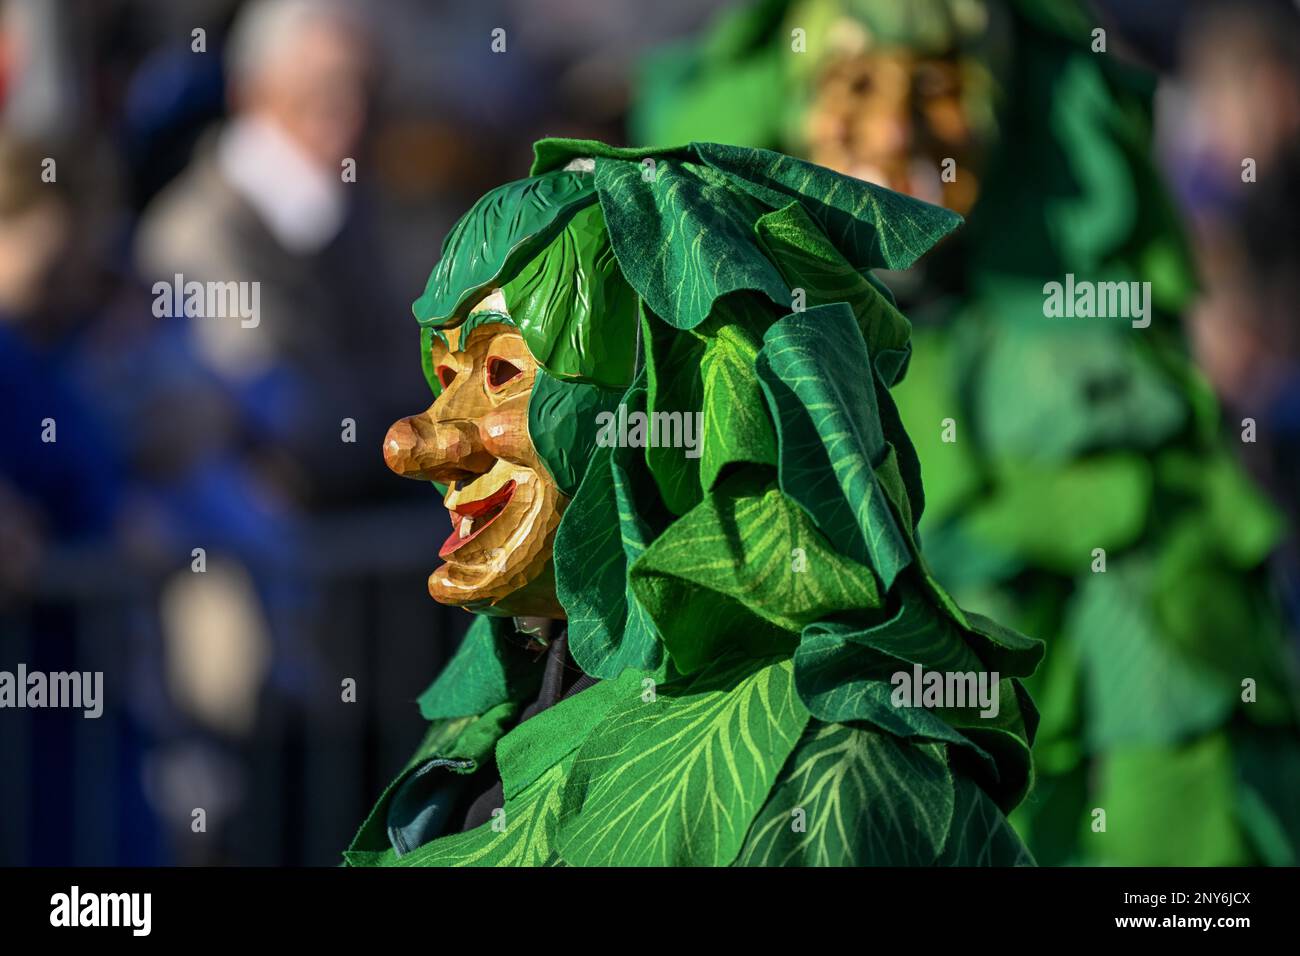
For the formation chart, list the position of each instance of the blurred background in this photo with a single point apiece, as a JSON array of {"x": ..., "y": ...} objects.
[{"x": 205, "y": 138}]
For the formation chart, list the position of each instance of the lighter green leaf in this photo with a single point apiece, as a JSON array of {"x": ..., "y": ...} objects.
[
  {"x": 746, "y": 567},
  {"x": 736, "y": 424},
  {"x": 525, "y": 839},
  {"x": 677, "y": 780}
]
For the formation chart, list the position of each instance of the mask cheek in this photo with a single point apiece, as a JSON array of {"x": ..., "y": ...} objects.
[{"x": 504, "y": 433}]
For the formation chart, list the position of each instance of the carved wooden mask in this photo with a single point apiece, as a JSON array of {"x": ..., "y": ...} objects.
[
  {"x": 504, "y": 506},
  {"x": 892, "y": 117}
]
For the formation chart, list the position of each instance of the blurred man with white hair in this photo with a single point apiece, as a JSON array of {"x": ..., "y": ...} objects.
[{"x": 269, "y": 203}]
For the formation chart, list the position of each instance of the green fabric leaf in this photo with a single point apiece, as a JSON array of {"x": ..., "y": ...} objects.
[
  {"x": 684, "y": 236},
  {"x": 844, "y": 671},
  {"x": 809, "y": 261},
  {"x": 528, "y": 752},
  {"x": 563, "y": 425},
  {"x": 841, "y": 680},
  {"x": 1006, "y": 651},
  {"x": 555, "y": 152},
  {"x": 1168, "y": 806},
  {"x": 526, "y": 838},
  {"x": 999, "y": 756},
  {"x": 371, "y": 837},
  {"x": 874, "y": 227},
  {"x": 604, "y": 530},
  {"x": 849, "y": 796},
  {"x": 1138, "y": 688},
  {"x": 980, "y": 834},
  {"x": 479, "y": 737},
  {"x": 462, "y": 742},
  {"x": 480, "y": 676},
  {"x": 736, "y": 425},
  {"x": 917, "y": 633},
  {"x": 674, "y": 365},
  {"x": 697, "y": 208},
  {"x": 744, "y": 569},
  {"x": 830, "y": 434},
  {"x": 1053, "y": 518},
  {"x": 504, "y": 229},
  {"x": 573, "y": 307},
  {"x": 676, "y": 781}
]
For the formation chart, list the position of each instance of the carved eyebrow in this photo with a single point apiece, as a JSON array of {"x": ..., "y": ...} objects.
[{"x": 476, "y": 319}]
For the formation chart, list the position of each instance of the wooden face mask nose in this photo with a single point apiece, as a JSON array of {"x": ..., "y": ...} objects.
[{"x": 420, "y": 447}]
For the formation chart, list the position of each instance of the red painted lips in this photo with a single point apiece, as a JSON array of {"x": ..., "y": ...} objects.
[{"x": 479, "y": 514}]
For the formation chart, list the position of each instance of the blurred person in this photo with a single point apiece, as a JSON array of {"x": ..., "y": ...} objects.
[
  {"x": 1078, "y": 484},
  {"x": 1240, "y": 104},
  {"x": 265, "y": 202},
  {"x": 1232, "y": 144},
  {"x": 50, "y": 426},
  {"x": 44, "y": 98}
]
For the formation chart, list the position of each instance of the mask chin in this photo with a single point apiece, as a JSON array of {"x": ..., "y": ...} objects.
[
  {"x": 535, "y": 600},
  {"x": 508, "y": 571}
]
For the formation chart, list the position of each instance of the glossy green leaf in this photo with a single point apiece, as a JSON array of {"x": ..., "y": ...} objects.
[
  {"x": 676, "y": 383},
  {"x": 846, "y": 674},
  {"x": 874, "y": 227},
  {"x": 736, "y": 424},
  {"x": 684, "y": 236},
  {"x": 563, "y": 425},
  {"x": 695, "y": 209},
  {"x": 810, "y": 262},
  {"x": 573, "y": 307},
  {"x": 532, "y": 748},
  {"x": 504, "y": 229}
]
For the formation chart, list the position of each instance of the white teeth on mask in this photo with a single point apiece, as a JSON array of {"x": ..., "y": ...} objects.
[{"x": 465, "y": 525}]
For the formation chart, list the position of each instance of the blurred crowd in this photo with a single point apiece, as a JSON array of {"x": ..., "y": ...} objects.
[{"x": 321, "y": 149}]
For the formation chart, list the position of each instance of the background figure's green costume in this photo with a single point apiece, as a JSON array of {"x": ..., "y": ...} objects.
[
  {"x": 1073, "y": 435},
  {"x": 743, "y": 610}
]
